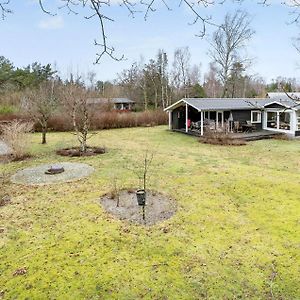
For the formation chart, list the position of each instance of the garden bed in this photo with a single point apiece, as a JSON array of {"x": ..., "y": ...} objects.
[{"x": 76, "y": 151}]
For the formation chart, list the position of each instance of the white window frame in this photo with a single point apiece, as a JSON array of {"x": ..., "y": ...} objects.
[{"x": 258, "y": 116}]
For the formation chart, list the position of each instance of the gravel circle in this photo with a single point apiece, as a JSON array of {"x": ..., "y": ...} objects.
[
  {"x": 4, "y": 149},
  {"x": 159, "y": 207},
  {"x": 36, "y": 175}
]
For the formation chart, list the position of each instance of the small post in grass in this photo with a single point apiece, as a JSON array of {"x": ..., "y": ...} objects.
[{"x": 141, "y": 200}]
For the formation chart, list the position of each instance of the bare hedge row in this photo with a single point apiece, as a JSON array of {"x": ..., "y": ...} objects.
[{"x": 101, "y": 120}]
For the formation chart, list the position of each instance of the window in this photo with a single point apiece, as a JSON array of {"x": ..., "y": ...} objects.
[
  {"x": 271, "y": 119},
  {"x": 284, "y": 120},
  {"x": 255, "y": 116}
]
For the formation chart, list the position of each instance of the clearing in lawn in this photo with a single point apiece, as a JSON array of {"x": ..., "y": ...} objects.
[{"x": 235, "y": 233}]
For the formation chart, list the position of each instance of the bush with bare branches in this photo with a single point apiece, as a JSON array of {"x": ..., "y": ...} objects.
[
  {"x": 15, "y": 136},
  {"x": 221, "y": 138}
]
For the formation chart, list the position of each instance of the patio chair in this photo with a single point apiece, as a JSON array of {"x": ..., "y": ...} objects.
[
  {"x": 251, "y": 126},
  {"x": 237, "y": 126},
  {"x": 196, "y": 125}
]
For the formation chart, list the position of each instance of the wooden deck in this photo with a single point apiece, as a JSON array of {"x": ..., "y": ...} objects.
[{"x": 246, "y": 136}]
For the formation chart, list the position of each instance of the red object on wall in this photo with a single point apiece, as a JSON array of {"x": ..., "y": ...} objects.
[{"x": 189, "y": 123}]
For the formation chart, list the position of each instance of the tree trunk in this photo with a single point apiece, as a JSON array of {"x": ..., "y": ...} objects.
[
  {"x": 83, "y": 143},
  {"x": 44, "y": 133},
  {"x": 145, "y": 97},
  {"x": 225, "y": 90}
]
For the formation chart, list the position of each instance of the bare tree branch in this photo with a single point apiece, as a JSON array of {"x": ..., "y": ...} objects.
[
  {"x": 96, "y": 9},
  {"x": 4, "y": 8}
]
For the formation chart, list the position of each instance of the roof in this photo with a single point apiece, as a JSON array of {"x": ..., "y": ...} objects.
[
  {"x": 284, "y": 96},
  {"x": 109, "y": 100},
  {"x": 286, "y": 103},
  {"x": 122, "y": 100},
  {"x": 222, "y": 103}
]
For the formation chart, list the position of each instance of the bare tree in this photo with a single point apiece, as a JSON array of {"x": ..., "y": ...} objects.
[
  {"x": 228, "y": 42},
  {"x": 41, "y": 104},
  {"x": 91, "y": 76},
  {"x": 162, "y": 62},
  {"x": 75, "y": 99},
  {"x": 181, "y": 67},
  {"x": 212, "y": 84}
]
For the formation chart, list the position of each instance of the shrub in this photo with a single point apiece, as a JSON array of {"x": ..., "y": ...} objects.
[
  {"x": 15, "y": 136},
  {"x": 58, "y": 123},
  {"x": 100, "y": 120},
  {"x": 109, "y": 120},
  {"x": 221, "y": 138}
]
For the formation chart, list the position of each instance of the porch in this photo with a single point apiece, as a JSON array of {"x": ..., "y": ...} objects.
[
  {"x": 199, "y": 122},
  {"x": 246, "y": 136},
  {"x": 239, "y": 116}
]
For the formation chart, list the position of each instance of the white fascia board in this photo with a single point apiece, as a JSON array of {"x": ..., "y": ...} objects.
[
  {"x": 175, "y": 105},
  {"x": 276, "y": 102}
]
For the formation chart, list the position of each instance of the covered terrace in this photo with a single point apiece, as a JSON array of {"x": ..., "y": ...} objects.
[{"x": 218, "y": 114}]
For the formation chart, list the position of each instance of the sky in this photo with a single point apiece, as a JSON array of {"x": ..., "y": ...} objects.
[{"x": 67, "y": 40}]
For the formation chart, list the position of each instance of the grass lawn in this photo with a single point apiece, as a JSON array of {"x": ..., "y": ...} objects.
[{"x": 235, "y": 235}]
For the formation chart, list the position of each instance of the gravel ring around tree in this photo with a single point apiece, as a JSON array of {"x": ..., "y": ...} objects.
[
  {"x": 159, "y": 207},
  {"x": 36, "y": 175}
]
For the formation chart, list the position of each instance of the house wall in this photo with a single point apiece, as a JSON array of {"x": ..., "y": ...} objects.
[
  {"x": 245, "y": 115},
  {"x": 241, "y": 115},
  {"x": 178, "y": 118},
  {"x": 297, "y": 132}
]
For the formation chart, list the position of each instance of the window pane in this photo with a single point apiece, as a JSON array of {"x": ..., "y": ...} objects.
[
  {"x": 254, "y": 116},
  {"x": 284, "y": 121}
]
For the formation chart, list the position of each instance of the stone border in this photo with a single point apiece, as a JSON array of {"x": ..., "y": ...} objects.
[{"x": 36, "y": 175}]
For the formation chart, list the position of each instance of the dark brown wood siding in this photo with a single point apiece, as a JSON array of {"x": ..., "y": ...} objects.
[
  {"x": 245, "y": 115},
  {"x": 178, "y": 118}
]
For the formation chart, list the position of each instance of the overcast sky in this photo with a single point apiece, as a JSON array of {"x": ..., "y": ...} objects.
[{"x": 29, "y": 35}]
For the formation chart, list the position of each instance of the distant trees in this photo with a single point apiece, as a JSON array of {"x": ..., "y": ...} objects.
[
  {"x": 227, "y": 43},
  {"x": 158, "y": 83},
  {"x": 283, "y": 84},
  {"x": 17, "y": 79},
  {"x": 148, "y": 83}
]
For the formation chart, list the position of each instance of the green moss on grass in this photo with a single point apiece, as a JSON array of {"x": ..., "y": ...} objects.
[{"x": 235, "y": 234}]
